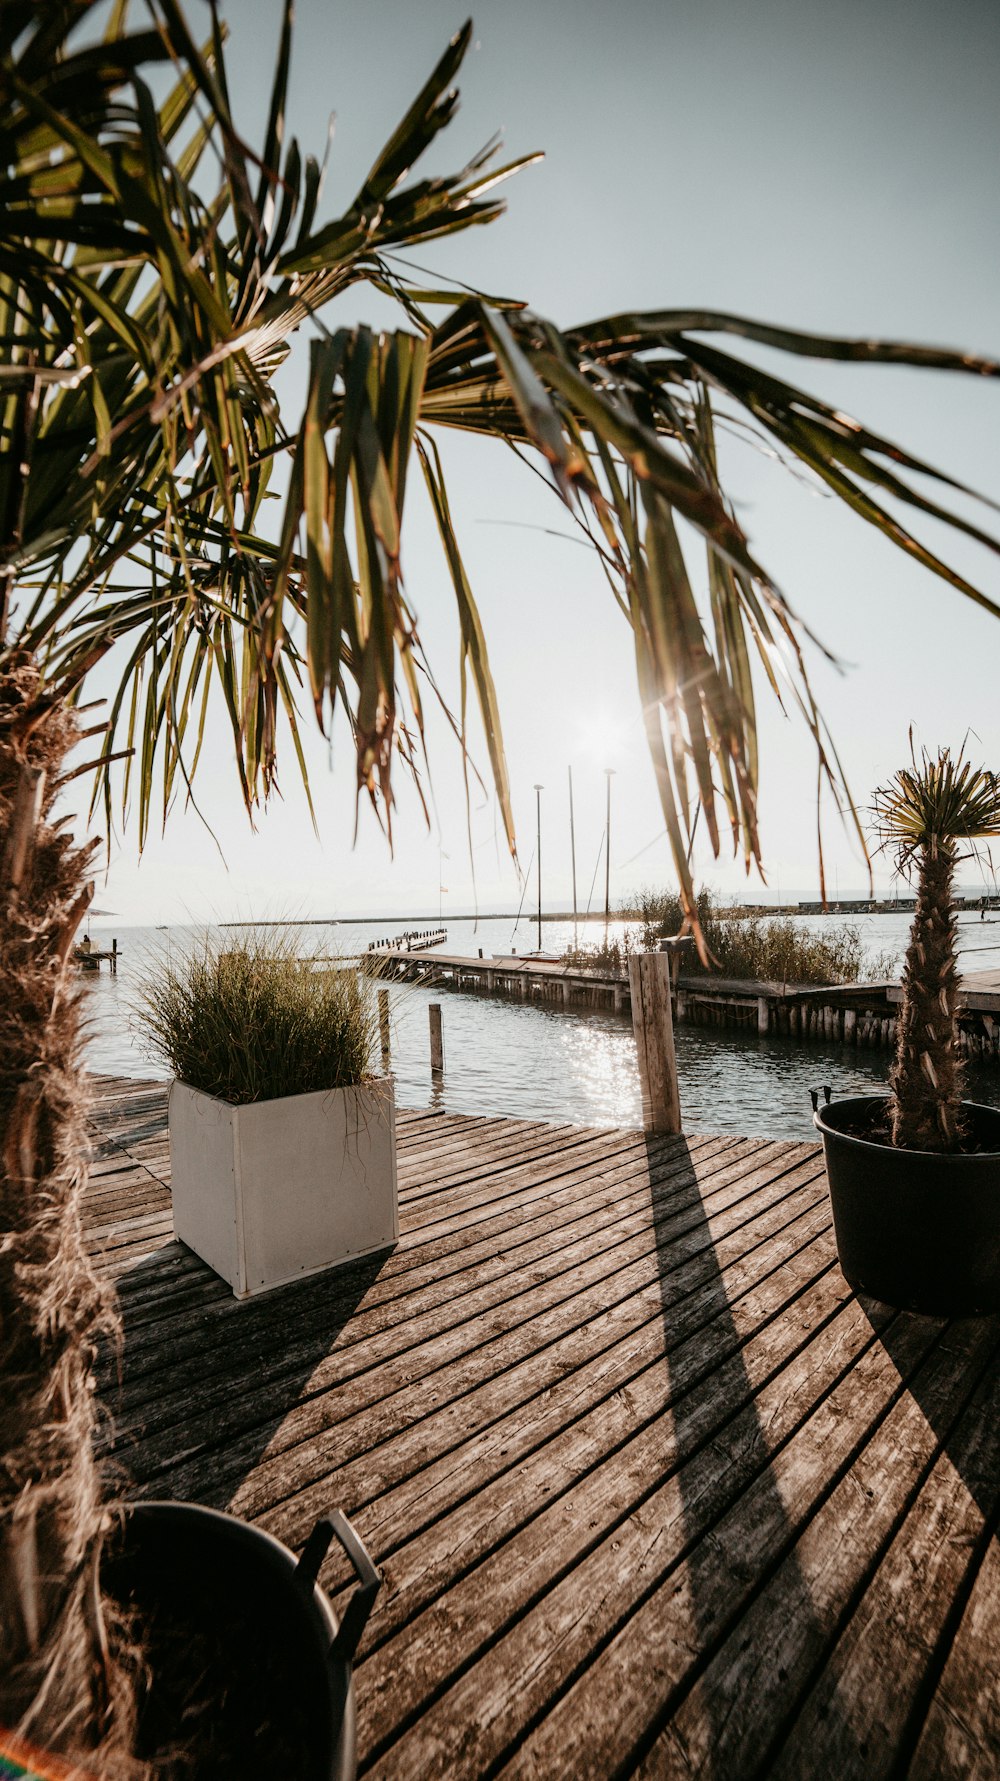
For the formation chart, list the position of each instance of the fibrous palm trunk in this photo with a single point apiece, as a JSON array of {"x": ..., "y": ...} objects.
[
  {"x": 62, "y": 1685},
  {"x": 926, "y": 1077}
]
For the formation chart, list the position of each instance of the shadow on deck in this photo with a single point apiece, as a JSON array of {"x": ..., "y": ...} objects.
[{"x": 653, "y": 1492}]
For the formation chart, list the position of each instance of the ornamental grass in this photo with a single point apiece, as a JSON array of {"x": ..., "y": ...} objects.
[{"x": 254, "y": 1022}]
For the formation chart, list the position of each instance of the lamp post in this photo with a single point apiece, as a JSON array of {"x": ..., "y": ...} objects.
[
  {"x": 538, "y": 852},
  {"x": 609, "y": 771}
]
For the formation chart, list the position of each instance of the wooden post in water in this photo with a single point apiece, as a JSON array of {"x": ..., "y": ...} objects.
[
  {"x": 383, "y": 1023},
  {"x": 652, "y": 1023},
  {"x": 437, "y": 1042}
]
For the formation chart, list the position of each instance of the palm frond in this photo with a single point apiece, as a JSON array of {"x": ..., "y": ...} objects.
[
  {"x": 939, "y": 802},
  {"x": 144, "y": 315}
]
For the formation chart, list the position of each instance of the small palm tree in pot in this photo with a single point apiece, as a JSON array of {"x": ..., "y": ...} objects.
[
  {"x": 930, "y": 813},
  {"x": 915, "y": 1177}
]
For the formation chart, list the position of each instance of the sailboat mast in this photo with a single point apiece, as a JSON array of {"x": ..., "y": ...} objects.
[{"x": 572, "y": 849}]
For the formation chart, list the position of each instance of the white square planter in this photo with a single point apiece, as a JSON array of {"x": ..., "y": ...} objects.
[{"x": 277, "y": 1189}]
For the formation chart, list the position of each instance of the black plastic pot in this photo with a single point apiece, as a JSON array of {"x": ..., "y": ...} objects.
[
  {"x": 227, "y": 1581},
  {"x": 914, "y": 1229}
]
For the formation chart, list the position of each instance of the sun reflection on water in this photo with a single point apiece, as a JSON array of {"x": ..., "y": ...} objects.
[{"x": 601, "y": 1059}]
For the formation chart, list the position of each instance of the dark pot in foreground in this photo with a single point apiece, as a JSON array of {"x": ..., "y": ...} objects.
[
  {"x": 229, "y": 1611},
  {"x": 914, "y": 1229}
]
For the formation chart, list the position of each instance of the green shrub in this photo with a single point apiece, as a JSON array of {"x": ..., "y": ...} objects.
[{"x": 252, "y": 1022}]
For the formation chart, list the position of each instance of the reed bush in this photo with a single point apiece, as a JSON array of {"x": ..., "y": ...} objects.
[
  {"x": 611, "y": 955},
  {"x": 253, "y": 1022},
  {"x": 769, "y": 948},
  {"x": 774, "y": 949}
]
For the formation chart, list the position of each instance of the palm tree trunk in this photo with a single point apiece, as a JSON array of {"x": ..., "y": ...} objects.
[
  {"x": 926, "y": 1077},
  {"x": 61, "y": 1684}
]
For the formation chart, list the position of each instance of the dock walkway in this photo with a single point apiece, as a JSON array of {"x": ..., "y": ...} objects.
[
  {"x": 858, "y": 1014},
  {"x": 653, "y": 1492},
  {"x": 91, "y": 958}
]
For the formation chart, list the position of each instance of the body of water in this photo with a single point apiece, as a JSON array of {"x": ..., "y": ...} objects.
[{"x": 537, "y": 1061}]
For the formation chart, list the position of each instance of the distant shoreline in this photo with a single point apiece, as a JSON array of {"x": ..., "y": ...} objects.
[
  {"x": 901, "y": 906},
  {"x": 430, "y": 921}
]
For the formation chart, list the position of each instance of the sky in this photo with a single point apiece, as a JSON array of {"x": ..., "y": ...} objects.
[{"x": 831, "y": 166}]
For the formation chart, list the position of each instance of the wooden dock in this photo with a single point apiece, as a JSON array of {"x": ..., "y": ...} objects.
[
  {"x": 653, "y": 1492},
  {"x": 979, "y": 991},
  {"x": 856, "y": 1014},
  {"x": 91, "y": 958}
]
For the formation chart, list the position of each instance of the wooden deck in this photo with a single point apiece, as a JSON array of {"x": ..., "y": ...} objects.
[{"x": 654, "y": 1494}]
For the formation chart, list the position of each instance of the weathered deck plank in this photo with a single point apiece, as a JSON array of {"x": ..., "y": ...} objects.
[
  {"x": 652, "y": 1491},
  {"x": 961, "y": 1733},
  {"x": 610, "y": 1397},
  {"x": 451, "y": 1344},
  {"x": 776, "y": 1646},
  {"x": 624, "y": 1621},
  {"x": 424, "y": 1288},
  {"x": 950, "y": 1447}
]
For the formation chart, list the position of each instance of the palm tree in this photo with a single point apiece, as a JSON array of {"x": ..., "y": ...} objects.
[
  {"x": 155, "y": 270},
  {"x": 927, "y": 813}
]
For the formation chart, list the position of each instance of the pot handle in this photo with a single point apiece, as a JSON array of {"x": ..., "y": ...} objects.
[
  {"x": 355, "y": 1616},
  {"x": 814, "y": 1094}
]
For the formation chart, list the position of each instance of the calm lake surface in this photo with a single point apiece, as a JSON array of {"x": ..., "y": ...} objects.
[{"x": 541, "y": 1062}]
